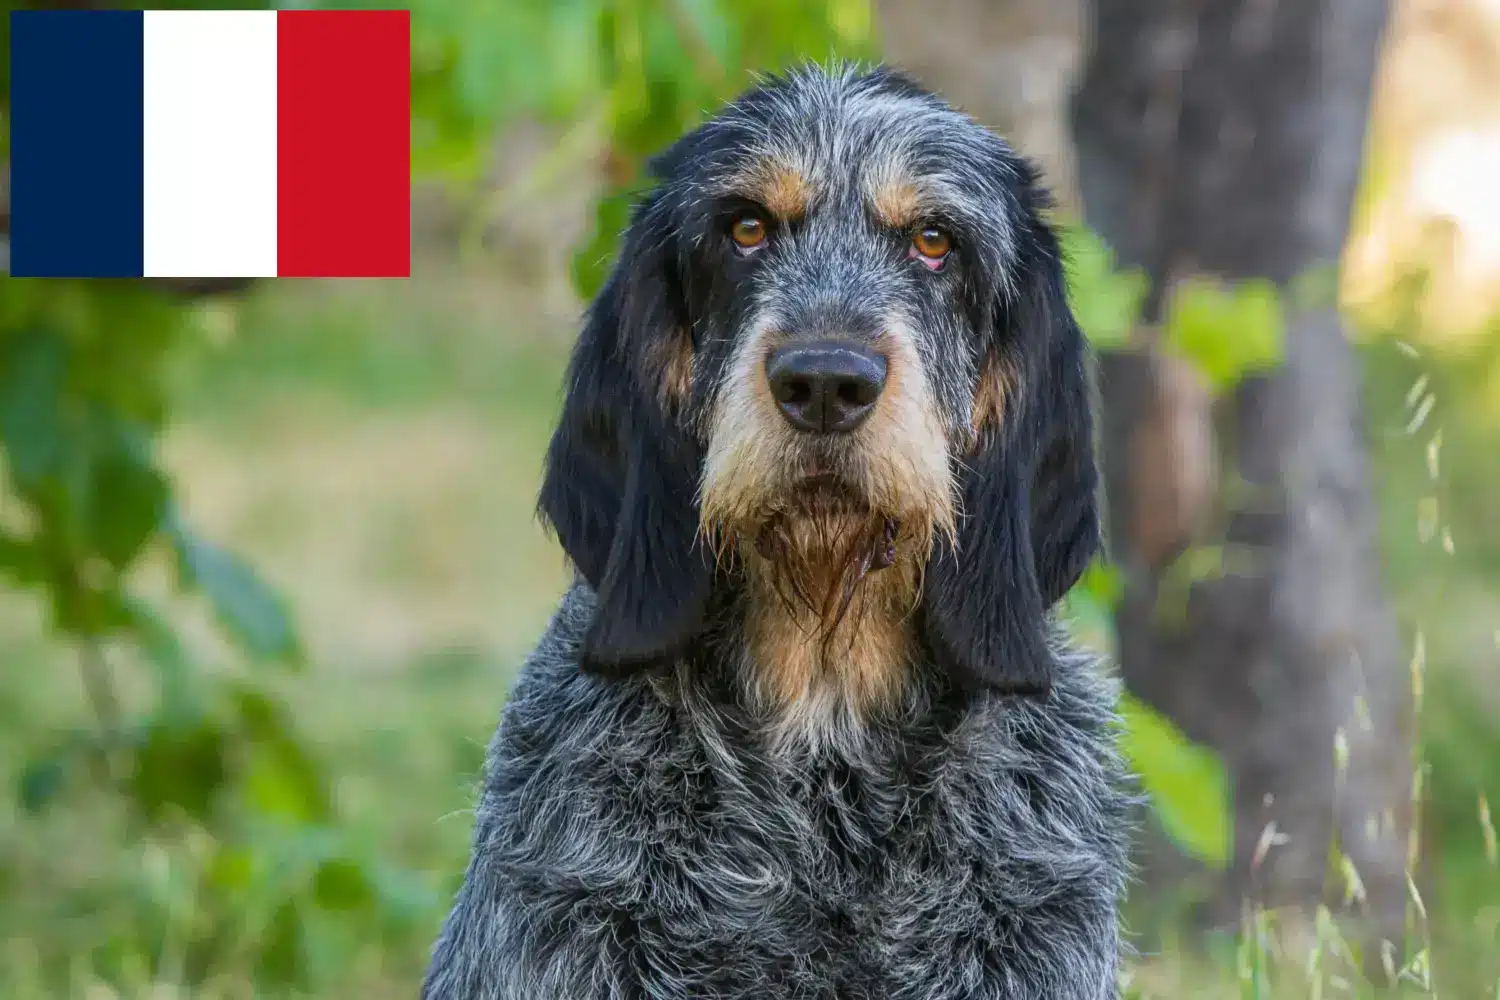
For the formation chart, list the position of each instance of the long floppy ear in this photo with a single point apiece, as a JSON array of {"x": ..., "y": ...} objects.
[
  {"x": 621, "y": 473},
  {"x": 1030, "y": 520}
]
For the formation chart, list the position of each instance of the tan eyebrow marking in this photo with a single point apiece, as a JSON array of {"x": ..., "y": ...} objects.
[
  {"x": 784, "y": 190},
  {"x": 897, "y": 204}
]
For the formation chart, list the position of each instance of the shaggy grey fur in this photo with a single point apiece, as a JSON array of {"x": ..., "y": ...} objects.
[{"x": 635, "y": 840}]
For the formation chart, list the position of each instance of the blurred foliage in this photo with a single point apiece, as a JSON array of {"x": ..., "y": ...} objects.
[
  {"x": 640, "y": 71},
  {"x": 1106, "y": 300},
  {"x": 211, "y": 759},
  {"x": 1187, "y": 784},
  {"x": 1226, "y": 330}
]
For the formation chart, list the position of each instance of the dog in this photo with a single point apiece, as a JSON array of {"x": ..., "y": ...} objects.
[{"x": 805, "y": 726}]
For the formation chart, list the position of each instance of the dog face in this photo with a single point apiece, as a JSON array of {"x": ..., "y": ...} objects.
[{"x": 836, "y": 341}]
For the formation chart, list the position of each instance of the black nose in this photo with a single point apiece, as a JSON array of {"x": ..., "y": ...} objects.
[{"x": 826, "y": 386}]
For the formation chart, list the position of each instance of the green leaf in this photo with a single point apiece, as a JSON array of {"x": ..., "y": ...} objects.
[
  {"x": 1106, "y": 302},
  {"x": 282, "y": 780},
  {"x": 41, "y": 782},
  {"x": 232, "y": 869},
  {"x": 164, "y": 653},
  {"x": 341, "y": 884},
  {"x": 283, "y": 954},
  {"x": 1090, "y": 605},
  {"x": 21, "y": 560},
  {"x": 130, "y": 493},
  {"x": 88, "y": 610},
  {"x": 31, "y": 413},
  {"x": 181, "y": 765},
  {"x": 1186, "y": 783},
  {"x": 1227, "y": 331},
  {"x": 260, "y": 715},
  {"x": 1103, "y": 583},
  {"x": 250, "y": 610}
]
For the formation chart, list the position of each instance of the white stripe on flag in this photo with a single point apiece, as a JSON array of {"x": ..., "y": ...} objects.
[{"x": 210, "y": 143}]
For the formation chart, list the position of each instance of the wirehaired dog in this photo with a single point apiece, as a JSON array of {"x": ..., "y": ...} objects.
[{"x": 805, "y": 728}]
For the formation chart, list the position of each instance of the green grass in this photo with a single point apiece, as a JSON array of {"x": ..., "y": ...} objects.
[{"x": 375, "y": 450}]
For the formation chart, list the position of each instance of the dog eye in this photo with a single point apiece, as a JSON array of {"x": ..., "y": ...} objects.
[
  {"x": 748, "y": 231},
  {"x": 931, "y": 243}
]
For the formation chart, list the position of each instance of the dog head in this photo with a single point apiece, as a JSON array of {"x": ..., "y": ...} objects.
[{"x": 837, "y": 338}]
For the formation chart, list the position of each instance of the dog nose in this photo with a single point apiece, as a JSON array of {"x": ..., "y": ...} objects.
[{"x": 826, "y": 387}]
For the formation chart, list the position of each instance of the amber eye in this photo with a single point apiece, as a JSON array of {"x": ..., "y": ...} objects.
[
  {"x": 749, "y": 231},
  {"x": 932, "y": 243}
]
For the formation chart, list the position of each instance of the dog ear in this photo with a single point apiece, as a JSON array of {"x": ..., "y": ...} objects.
[
  {"x": 1030, "y": 518},
  {"x": 622, "y": 473}
]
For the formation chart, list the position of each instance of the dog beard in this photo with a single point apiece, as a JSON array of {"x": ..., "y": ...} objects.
[{"x": 819, "y": 547}]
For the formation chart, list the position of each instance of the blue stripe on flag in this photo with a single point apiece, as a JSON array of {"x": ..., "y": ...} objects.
[{"x": 75, "y": 143}]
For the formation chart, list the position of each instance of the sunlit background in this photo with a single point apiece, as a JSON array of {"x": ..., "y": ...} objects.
[{"x": 268, "y": 560}]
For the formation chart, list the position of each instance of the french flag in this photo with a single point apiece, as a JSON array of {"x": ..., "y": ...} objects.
[{"x": 210, "y": 143}]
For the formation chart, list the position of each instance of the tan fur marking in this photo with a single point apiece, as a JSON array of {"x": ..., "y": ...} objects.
[
  {"x": 897, "y": 203},
  {"x": 785, "y": 191},
  {"x": 905, "y": 446},
  {"x": 990, "y": 396},
  {"x": 677, "y": 372},
  {"x": 806, "y": 668},
  {"x": 671, "y": 363}
]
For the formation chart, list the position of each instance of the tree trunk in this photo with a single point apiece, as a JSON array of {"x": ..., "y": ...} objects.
[
  {"x": 1009, "y": 64},
  {"x": 1224, "y": 137}
]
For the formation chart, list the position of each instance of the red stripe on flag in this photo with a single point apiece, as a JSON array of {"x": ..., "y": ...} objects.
[{"x": 343, "y": 137}]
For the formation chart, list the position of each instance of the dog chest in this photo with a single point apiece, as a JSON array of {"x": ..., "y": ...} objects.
[{"x": 655, "y": 837}]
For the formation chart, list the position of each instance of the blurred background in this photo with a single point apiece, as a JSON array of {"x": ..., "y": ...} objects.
[{"x": 268, "y": 559}]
